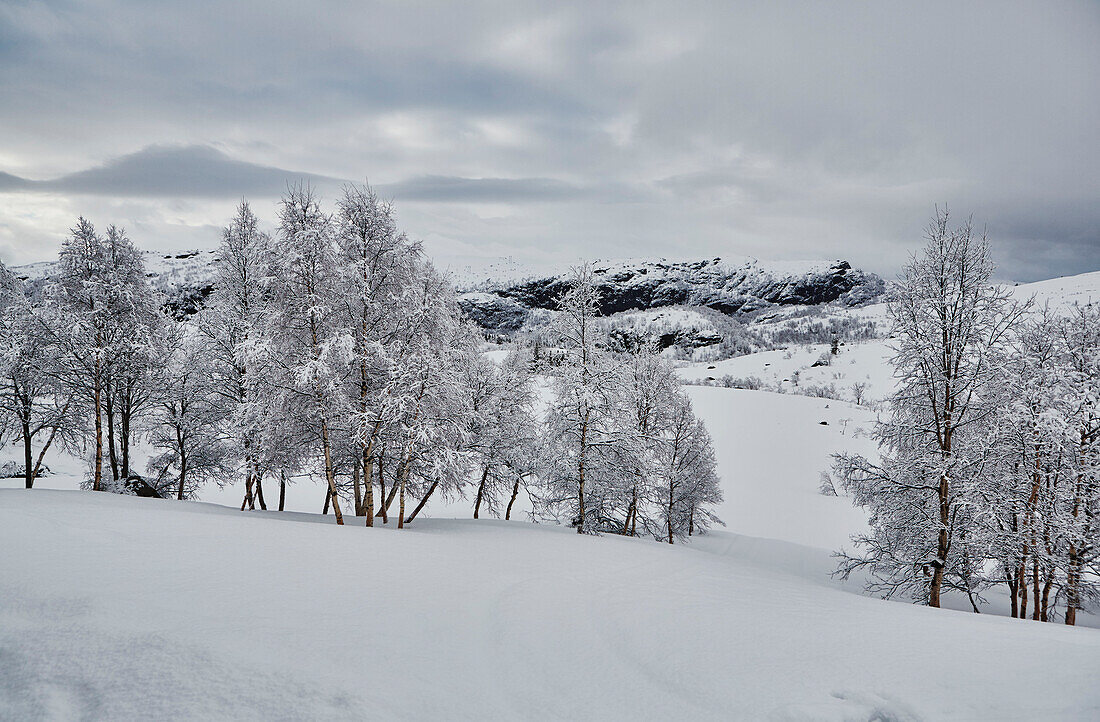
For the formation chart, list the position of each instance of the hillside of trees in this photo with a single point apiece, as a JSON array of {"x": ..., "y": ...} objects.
[{"x": 333, "y": 349}]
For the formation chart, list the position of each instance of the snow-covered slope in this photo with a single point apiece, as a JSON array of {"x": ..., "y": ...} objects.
[
  {"x": 129, "y": 608},
  {"x": 862, "y": 366},
  {"x": 125, "y": 608},
  {"x": 1083, "y": 289}
]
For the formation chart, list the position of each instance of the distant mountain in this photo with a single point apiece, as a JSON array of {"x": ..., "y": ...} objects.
[
  {"x": 502, "y": 299},
  {"x": 639, "y": 285}
]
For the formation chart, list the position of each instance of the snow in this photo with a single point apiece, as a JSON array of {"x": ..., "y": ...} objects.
[
  {"x": 865, "y": 362},
  {"x": 1083, "y": 289},
  {"x": 771, "y": 450},
  {"x": 132, "y": 608},
  {"x": 124, "y": 608}
]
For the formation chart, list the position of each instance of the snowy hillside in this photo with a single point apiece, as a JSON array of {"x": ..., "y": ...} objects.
[
  {"x": 1083, "y": 289},
  {"x": 184, "y": 277},
  {"x": 861, "y": 368},
  {"x": 130, "y": 608},
  {"x": 146, "y": 609}
]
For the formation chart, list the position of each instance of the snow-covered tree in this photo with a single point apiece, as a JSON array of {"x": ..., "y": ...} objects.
[
  {"x": 951, "y": 326},
  {"x": 651, "y": 389},
  {"x": 1079, "y": 514},
  {"x": 1013, "y": 511},
  {"x": 583, "y": 478},
  {"x": 687, "y": 485},
  {"x": 376, "y": 265},
  {"x": 672, "y": 469},
  {"x": 231, "y": 323},
  {"x": 100, "y": 314},
  {"x": 305, "y": 334},
  {"x": 503, "y": 428},
  {"x": 34, "y": 408},
  {"x": 131, "y": 381},
  {"x": 188, "y": 418},
  {"x": 424, "y": 399},
  {"x": 1041, "y": 510}
]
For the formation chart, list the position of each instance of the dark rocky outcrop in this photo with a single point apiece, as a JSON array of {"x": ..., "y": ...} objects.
[{"x": 641, "y": 285}]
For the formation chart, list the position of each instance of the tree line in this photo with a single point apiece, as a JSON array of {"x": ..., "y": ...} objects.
[
  {"x": 989, "y": 473},
  {"x": 333, "y": 349}
]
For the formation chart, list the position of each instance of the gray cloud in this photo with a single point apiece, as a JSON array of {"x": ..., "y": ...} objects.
[
  {"x": 583, "y": 129},
  {"x": 483, "y": 190},
  {"x": 174, "y": 172},
  {"x": 204, "y": 172}
]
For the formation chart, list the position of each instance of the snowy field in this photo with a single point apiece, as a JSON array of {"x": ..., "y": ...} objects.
[{"x": 124, "y": 608}]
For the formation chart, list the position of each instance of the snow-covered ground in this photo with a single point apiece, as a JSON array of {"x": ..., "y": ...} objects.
[
  {"x": 1082, "y": 289},
  {"x": 124, "y": 608},
  {"x": 799, "y": 370}
]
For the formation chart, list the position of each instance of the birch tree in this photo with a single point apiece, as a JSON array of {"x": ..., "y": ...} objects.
[
  {"x": 1080, "y": 515},
  {"x": 187, "y": 420},
  {"x": 377, "y": 265},
  {"x": 687, "y": 485},
  {"x": 97, "y": 303},
  {"x": 582, "y": 479},
  {"x": 35, "y": 409},
  {"x": 951, "y": 326},
  {"x": 231, "y": 323},
  {"x": 503, "y": 428},
  {"x": 305, "y": 335}
]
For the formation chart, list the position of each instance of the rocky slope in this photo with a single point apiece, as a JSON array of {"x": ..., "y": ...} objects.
[
  {"x": 504, "y": 302},
  {"x": 638, "y": 285}
]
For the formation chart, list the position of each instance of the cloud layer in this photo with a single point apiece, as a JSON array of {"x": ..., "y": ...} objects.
[{"x": 550, "y": 133}]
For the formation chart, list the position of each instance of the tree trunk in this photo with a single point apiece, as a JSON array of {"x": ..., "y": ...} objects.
[
  {"x": 260, "y": 492},
  {"x": 358, "y": 488},
  {"x": 630, "y": 511},
  {"x": 124, "y": 439},
  {"x": 28, "y": 468},
  {"x": 43, "y": 450},
  {"x": 329, "y": 473},
  {"x": 368, "y": 479},
  {"x": 248, "y": 499},
  {"x": 480, "y": 491},
  {"x": 1021, "y": 581},
  {"x": 328, "y": 498},
  {"x": 940, "y": 561},
  {"x": 580, "y": 474},
  {"x": 111, "y": 435},
  {"x": 97, "y": 479},
  {"x": 515, "y": 493},
  {"x": 389, "y": 500},
  {"x": 183, "y": 474},
  {"x": 1036, "y": 612},
  {"x": 1012, "y": 593},
  {"x": 1073, "y": 576},
  {"x": 668, "y": 517},
  {"x": 401, "y": 508},
  {"x": 282, "y": 490},
  {"x": 423, "y": 501},
  {"x": 1047, "y": 584},
  {"x": 382, "y": 492}
]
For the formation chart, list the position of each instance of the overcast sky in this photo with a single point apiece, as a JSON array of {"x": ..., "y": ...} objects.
[{"x": 550, "y": 131}]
